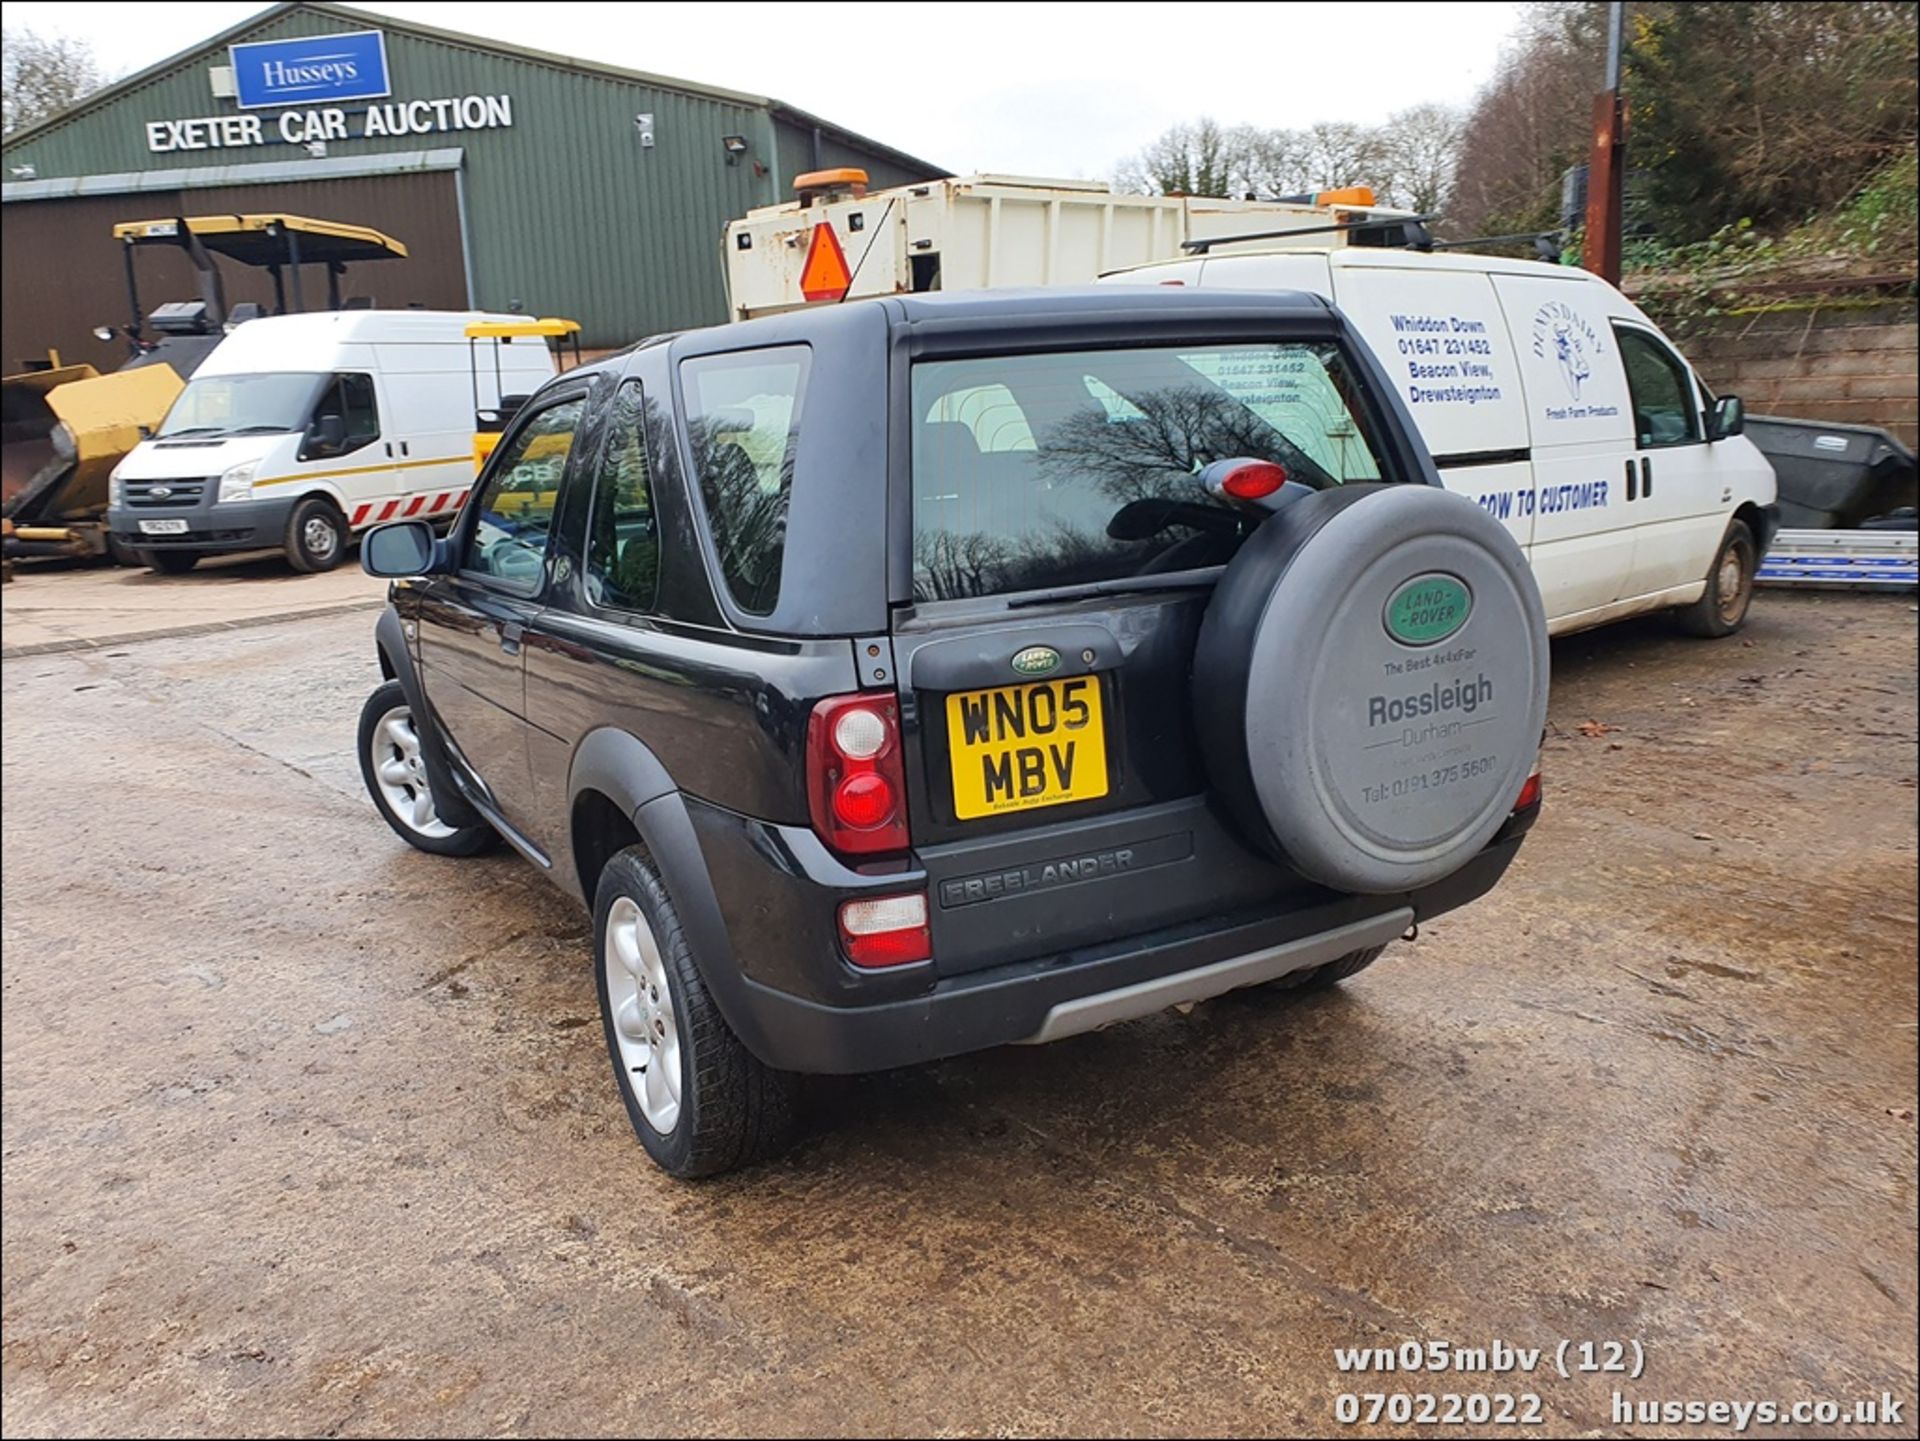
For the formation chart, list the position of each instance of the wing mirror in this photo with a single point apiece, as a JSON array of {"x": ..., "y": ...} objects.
[
  {"x": 398, "y": 550},
  {"x": 1729, "y": 418},
  {"x": 326, "y": 436}
]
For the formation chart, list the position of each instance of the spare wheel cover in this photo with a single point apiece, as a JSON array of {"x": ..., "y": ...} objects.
[{"x": 1371, "y": 685}]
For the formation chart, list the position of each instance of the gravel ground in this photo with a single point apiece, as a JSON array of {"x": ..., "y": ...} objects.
[{"x": 308, "y": 1133}]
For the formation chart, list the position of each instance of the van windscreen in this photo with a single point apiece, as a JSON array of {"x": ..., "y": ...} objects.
[
  {"x": 1076, "y": 467},
  {"x": 214, "y": 405}
]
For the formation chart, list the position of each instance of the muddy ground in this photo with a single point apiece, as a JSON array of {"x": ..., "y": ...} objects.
[{"x": 308, "y": 1133}]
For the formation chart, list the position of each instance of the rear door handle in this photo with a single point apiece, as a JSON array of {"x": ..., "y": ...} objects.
[
  {"x": 1646, "y": 478},
  {"x": 1632, "y": 493},
  {"x": 510, "y": 633}
]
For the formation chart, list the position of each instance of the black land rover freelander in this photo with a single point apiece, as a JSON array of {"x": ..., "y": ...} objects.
[{"x": 908, "y": 677}]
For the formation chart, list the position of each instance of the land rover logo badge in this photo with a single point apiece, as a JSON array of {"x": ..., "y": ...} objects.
[
  {"x": 1428, "y": 609},
  {"x": 1037, "y": 660}
]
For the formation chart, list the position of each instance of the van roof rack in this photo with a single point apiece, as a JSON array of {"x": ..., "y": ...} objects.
[
  {"x": 1414, "y": 223},
  {"x": 1546, "y": 243}
]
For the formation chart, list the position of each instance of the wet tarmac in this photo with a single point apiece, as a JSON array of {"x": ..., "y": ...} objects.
[{"x": 308, "y": 1133}]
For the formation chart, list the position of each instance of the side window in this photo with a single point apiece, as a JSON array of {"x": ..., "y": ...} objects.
[
  {"x": 514, "y": 513},
  {"x": 743, "y": 416},
  {"x": 623, "y": 539},
  {"x": 1663, "y": 408},
  {"x": 348, "y": 399},
  {"x": 989, "y": 413},
  {"x": 1310, "y": 403}
]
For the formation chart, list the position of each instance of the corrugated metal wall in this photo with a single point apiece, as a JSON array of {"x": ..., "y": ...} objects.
[
  {"x": 567, "y": 212},
  {"x": 59, "y": 304}
]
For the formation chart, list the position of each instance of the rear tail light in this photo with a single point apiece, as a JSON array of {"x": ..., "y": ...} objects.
[
  {"x": 856, "y": 784},
  {"x": 1243, "y": 478},
  {"x": 1530, "y": 792},
  {"x": 1253, "y": 479},
  {"x": 886, "y": 931}
]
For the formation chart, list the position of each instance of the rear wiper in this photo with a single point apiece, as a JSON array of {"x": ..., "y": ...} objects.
[{"x": 1127, "y": 585}]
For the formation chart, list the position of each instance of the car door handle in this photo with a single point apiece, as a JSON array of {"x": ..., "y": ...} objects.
[
  {"x": 1632, "y": 492},
  {"x": 389, "y": 450},
  {"x": 1646, "y": 478},
  {"x": 510, "y": 633},
  {"x": 403, "y": 448}
]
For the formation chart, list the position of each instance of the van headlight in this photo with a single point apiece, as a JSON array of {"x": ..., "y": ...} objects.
[
  {"x": 116, "y": 491},
  {"x": 236, "y": 482}
]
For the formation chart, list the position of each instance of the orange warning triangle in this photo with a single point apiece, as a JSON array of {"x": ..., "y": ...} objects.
[{"x": 825, "y": 275}]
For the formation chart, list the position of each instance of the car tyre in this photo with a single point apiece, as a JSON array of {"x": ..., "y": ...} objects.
[
  {"x": 696, "y": 1097},
  {"x": 169, "y": 562},
  {"x": 316, "y": 535},
  {"x": 1322, "y": 977},
  {"x": 1723, "y": 608},
  {"x": 395, "y": 773}
]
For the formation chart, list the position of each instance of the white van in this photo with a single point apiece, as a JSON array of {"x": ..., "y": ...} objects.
[
  {"x": 1546, "y": 395},
  {"x": 300, "y": 430}
]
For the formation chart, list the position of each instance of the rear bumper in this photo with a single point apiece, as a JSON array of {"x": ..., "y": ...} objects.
[
  {"x": 234, "y": 525},
  {"x": 851, "y": 1021}
]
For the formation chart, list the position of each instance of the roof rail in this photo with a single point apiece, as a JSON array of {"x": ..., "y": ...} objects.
[
  {"x": 1415, "y": 223},
  {"x": 1546, "y": 243}
]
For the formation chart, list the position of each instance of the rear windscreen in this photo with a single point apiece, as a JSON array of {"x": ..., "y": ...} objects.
[{"x": 1036, "y": 471}]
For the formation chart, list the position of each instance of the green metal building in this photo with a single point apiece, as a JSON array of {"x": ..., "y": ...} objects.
[{"x": 563, "y": 186}]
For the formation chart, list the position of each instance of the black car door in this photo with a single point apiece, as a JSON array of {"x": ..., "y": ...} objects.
[{"x": 473, "y": 621}]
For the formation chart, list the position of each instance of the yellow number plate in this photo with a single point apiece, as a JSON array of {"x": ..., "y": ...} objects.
[{"x": 1020, "y": 747}]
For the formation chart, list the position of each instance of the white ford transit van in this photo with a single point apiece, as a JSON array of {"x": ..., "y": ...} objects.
[
  {"x": 1546, "y": 396},
  {"x": 301, "y": 430}
]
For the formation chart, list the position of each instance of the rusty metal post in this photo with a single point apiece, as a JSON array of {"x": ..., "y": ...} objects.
[{"x": 1607, "y": 169}]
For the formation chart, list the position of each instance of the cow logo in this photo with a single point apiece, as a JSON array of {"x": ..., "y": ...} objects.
[
  {"x": 1428, "y": 609},
  {"x": 1037, "y": 660},
  {"x": 1569, "y": 339}
]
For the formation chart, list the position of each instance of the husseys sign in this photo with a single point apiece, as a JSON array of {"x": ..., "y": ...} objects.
[
  {"x": 317, "y": 68},
  {"x": 305, "y": 75}
]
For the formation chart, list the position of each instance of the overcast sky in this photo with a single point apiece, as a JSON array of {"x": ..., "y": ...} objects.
[{"x": 1030, "y": 89}]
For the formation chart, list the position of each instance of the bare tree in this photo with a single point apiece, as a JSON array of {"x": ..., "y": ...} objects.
[
  {"x": 1339, "y": 152},
  {"x": 1530, "y": 122},
  {"x": 1273, "y": 162},
  {"x": 1420, "y": 147},
  {"x": 1409, "y": 161},
  {"x": 1192, "y": 159},
  {"x": 41, "y": 75}
]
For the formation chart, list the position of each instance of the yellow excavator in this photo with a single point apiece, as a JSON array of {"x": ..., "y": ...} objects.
[{"x": 63, "y": 428}]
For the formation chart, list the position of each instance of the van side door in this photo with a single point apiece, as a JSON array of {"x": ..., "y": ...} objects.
[
  {"x": 1580, "y": 421},
  {"x": 344, "y": 449},
  {"x": 430, "y": 438},
  {"x": 1675, "y": 490},
  {"x": 473, "y": 621}
]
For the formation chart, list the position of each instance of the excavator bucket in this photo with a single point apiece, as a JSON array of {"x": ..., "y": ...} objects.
[{"x": 62, "y": 431}]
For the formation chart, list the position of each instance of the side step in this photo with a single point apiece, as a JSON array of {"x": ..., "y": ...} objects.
[{"x": 1843, "y": 559}]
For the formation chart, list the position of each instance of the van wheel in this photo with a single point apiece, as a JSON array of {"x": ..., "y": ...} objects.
[
  {"x": 316, "y": 535},
  {"x": 1722, "y": 610},
  {"x": 170, "y": 562},
  {"x": 396, "y": 777},
  {"x": 1319, "y": 978},
  {"x": 697, "y": 1099}
]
